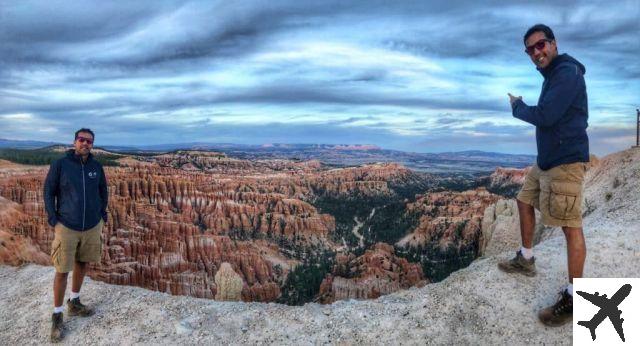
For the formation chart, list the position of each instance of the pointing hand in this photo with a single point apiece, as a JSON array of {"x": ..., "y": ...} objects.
[{"x": 513, "y": 99}]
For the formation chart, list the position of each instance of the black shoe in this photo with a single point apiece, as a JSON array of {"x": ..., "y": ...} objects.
[
  {"x": 519, "y": 264},
  {"x": 559, "y": 313},
  {"x": 56, "y": 327},
  {"x": 78, "y": 309}
]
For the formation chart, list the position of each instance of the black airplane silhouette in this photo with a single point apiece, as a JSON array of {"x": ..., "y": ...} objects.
[{"x": 608, "y": 308}]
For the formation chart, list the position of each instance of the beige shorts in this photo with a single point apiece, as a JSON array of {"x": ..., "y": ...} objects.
[
  {"x": 556, "y": 193},
  {"x": 70, "y": 246}
]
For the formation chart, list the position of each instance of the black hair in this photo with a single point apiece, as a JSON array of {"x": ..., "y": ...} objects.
[
  {"x": 85, "y": 130},
  {"x": 548, "y": 33}
]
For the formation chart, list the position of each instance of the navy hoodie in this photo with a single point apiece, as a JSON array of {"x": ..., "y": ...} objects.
[
  {"x": 75, "y": 193},
  {"x": 560, "y": 117}
]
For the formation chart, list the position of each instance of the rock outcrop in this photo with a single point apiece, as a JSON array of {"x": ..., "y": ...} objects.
[
  {"x": 507, "y": 181},
  {"x": 228, "y": 283},
  {"x": 501, "y": 229},
  {"x": 448, "y": 218},
  {"x": 378, "y": 272}
]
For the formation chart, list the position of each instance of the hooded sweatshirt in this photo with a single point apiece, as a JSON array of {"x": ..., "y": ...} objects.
[
  {"x": 560, "y": 117},
  {"x": 75, "y": 193}
]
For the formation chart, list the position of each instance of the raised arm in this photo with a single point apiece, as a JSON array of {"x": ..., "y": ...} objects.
[{"x": 563, "y": 88}]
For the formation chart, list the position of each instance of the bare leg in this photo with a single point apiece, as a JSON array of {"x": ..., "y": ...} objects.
[
  {"x": 576, "y": 251},
  {"x": 79, "y": 271},
  {"x": 59, "y": 287},
  {"x": 527, "y": 223}
]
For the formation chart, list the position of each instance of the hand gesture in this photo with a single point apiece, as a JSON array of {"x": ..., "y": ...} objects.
[{"x": 513, "y": 99}]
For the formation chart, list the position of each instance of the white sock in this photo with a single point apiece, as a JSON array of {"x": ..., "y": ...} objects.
[
  {"x": 58, "y": 309},
  {"x": 526, "y": 253},
  {"x": 74, "y": 295},
  {"x": 570, "y": 289}
]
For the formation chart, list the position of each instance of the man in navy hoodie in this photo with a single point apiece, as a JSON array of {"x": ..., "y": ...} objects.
[
  {"x": 554, "y": 184},
  {"x": 75, "y": 198}
]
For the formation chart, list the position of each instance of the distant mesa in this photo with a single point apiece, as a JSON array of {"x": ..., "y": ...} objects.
[{"x": 356, "y": 147}]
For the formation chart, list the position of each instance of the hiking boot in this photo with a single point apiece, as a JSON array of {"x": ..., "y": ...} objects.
[
  {"x": 559, "y": 313},
  {"x": 519, "y": 264},
  {"x": 56, "y": 327},
  {"x": 78, "y": 309}
]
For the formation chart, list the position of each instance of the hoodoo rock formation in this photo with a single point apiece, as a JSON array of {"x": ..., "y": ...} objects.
[
  {"x": 506, "y": 181},
  {"x": 175, "y": 218},
  {"x": 170, "y": 229},
  {"x": 476, "y": 305},
  {"x": 448, "y": 218},
  {"x": 16, "y": 249},
  {"x": 228, "y": 283},
  {"x": 378, "y": 272}
]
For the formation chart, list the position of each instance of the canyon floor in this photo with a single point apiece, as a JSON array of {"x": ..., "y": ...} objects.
[{"x": 476, "y": 305}]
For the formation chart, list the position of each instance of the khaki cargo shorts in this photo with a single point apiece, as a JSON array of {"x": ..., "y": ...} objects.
[
  {"x": 70, "y": 246},
  {"x": 556, "y": 193}
]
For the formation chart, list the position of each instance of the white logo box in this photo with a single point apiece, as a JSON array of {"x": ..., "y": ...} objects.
[{"x": 605, "y": 333}]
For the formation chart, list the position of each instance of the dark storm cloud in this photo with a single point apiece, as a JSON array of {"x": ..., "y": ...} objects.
[
  {"x": 34, "y": 44},
  {"x": 221, "y": 28}
]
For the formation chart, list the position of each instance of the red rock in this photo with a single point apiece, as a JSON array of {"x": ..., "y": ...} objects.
[
  {"x": 449, "y": 218},
  {"x": 174, "y": 218},
  {"x": 369, "y": 276}
]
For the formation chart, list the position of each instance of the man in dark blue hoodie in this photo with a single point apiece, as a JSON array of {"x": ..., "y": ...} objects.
[
  {"x": 554, "y": 184},
  {"x": 75, "y": 198}
]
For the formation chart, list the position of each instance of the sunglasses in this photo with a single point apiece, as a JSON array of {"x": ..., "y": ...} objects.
[
  {"x": 83, "y": 140},
  {"x": 538, "y": 45}
]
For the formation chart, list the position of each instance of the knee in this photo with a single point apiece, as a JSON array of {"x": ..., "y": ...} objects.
[
  {"x": 572, "y": 232},
  {"x": 524, "y": 207},
  {"x": 574, "y": 236},
  {"x": 82, "y": 265},
  {"x": 61, "y": 276}
]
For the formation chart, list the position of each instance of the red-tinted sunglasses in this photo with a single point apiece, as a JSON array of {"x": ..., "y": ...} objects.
[
  {"x": 83, "y": 140},
  {"x": 538, "y": 45}
]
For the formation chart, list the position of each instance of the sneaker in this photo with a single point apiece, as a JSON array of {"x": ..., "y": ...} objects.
[
  {"x": 519, "y": 264},
  {"x": 78, "y": 309},
  {"x": 559, "y": 313},
  {"x": 56, "y": 327}
]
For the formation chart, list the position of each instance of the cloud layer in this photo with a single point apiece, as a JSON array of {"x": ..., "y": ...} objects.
[{"x": 413, "y": 76}]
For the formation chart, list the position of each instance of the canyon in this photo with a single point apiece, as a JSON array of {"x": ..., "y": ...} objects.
[
  {"x": 478, "y": 304},
  {"x": 174, "y": 219}
]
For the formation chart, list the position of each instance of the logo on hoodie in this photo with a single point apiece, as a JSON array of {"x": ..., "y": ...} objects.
[{"x": 93, "y": 175}]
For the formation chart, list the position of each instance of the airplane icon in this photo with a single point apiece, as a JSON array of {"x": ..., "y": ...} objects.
[{"x": 608, "y": 308}]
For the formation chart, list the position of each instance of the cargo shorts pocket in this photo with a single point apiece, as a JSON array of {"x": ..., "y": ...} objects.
[
  {"x": 56, "y": 247},
  {"x": 564, "y": 200}
]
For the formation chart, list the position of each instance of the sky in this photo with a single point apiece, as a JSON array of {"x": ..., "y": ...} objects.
[{"x": 423, "y": 76}]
